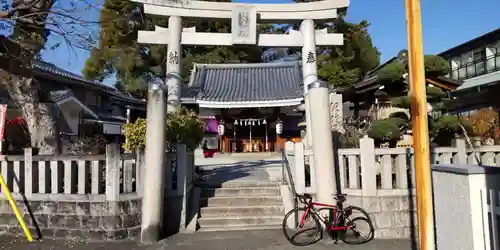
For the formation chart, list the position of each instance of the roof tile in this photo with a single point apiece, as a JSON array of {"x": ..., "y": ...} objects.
[{"x": 246, "y": 82}]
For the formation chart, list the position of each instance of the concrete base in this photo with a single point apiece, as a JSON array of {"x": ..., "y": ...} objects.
[{"x": 150, "y": 234}]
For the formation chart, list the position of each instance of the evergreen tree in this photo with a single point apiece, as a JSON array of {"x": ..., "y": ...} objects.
[{"x": 134, "y": 64}]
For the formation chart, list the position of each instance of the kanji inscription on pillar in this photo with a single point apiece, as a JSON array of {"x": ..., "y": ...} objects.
[
  {"x": 173, "y": 58},
  {"x": 244, "y": 25},
  {"x": 336, "y": 113},
  {"x": 310, "y": 58}
]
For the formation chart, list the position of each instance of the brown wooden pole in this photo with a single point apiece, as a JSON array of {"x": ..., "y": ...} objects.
[{"x": 420, "y": 127}]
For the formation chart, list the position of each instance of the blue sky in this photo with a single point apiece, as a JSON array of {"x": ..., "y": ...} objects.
[{"x": 446, "y": 23}]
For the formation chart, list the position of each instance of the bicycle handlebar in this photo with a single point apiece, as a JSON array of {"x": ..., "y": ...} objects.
[{"x": 307, "y": 198}]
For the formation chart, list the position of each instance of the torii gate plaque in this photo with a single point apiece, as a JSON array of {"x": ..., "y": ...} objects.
[{"x": 244, "y": 19}]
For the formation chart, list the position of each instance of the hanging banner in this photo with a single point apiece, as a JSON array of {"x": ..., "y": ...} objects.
[{"x": 3, "y": 116}]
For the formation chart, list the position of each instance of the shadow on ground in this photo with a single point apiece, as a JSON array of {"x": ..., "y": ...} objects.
[{"x": 248, "y": 240}]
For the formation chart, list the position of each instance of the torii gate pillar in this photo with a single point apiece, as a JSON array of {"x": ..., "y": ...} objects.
[
  {"x": 243, "y": 31},
  {"x": 319, "y": 133}
]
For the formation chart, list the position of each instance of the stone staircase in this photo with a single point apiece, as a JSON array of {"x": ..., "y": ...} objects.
[{"x": 244, "y": 205}]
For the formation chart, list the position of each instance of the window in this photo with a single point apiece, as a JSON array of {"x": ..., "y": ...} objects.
[
  {"x": 466, "y": 58},
  {"x": 479, "y": 55},
  {"x": 92, "y": 99},
  {"x": 496, "y": 48},
  {"x": 455, "y": 63},
  {"x": 462, "y": 73}
]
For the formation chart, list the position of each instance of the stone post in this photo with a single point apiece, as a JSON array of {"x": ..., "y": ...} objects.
[
  {"x": 112, "y": 172},
  {"x": 461, "y": 151},
  {"x": 152, "y": 201},
  {"x": 139, "y": 166},
  {"x": 182, "y": 181},
  {"x": 28, "y": 171},
  {"x": 174, "y": 55},
  {"x": 368, "y": 170},
  {"x": 322, "y": 143}
]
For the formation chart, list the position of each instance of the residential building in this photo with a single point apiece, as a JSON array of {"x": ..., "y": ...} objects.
[
  {"x": 477, "y": 64},
  {"x": 82, "y": 107}
]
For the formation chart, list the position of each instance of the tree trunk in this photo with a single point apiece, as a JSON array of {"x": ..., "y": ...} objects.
[{"x": 40, "y": 118}]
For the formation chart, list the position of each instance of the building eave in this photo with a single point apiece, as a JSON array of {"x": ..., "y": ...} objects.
[
  {"x": 464, "y": 47},
  {"x": 245, "y": 104}
]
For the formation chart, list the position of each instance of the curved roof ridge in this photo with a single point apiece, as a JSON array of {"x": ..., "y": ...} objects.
[{"x": 244, "y": 65}]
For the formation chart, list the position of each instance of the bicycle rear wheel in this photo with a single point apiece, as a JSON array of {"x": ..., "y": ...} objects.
[
  {"x": 301, "y": 235},
  {"x": 360, "y": 230}
]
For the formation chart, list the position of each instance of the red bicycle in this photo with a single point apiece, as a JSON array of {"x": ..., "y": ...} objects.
[{"x": 342, "y": 223}]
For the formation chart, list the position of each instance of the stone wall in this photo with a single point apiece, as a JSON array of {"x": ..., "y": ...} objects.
[
  {"x": 86, "y": 220},
  {"x": 393, "y": 216}
]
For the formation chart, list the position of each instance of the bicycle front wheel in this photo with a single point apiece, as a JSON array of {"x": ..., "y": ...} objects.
[{"x": 301, "y": 231}]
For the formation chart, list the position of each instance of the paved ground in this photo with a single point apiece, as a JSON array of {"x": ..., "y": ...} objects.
[
  {"x": 241, "y": 167},
  {"x": 250, "y": 240}
]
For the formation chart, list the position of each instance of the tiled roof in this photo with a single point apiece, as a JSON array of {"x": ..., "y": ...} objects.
[
  {"x": 53, "y": 69},
  {"x": 245, "y": 82}
]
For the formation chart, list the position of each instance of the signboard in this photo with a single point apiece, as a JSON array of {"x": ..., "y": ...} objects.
[
  {"x": 244, "y": 25},
  {"x": 112, "y": 129}
]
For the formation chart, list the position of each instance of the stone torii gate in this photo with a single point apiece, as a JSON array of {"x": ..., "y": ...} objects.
[{"x": 244, "y": 18}]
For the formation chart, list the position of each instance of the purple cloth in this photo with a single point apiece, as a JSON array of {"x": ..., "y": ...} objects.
[{"x": 211, "y": 125}]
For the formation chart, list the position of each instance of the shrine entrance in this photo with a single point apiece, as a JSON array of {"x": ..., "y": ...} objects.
[{"x": 254, "y": 130}]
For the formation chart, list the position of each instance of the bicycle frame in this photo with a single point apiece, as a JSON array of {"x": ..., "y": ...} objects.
[{"x": 310, "y": 208}]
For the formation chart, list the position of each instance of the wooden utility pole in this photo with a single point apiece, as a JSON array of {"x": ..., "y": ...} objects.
[{"x": 420, "y": 127}]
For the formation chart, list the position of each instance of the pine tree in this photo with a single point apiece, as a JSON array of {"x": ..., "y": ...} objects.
[{"x": 134, "y": 64}]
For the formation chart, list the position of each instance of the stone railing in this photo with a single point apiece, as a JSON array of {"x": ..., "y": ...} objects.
[
  {"x": 379, "y": 171},
  {"x": 89, "y": 196},
  {"x": 381, "y": 180}
]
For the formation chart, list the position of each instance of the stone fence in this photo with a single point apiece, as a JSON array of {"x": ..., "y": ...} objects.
[
  {"x": 88, "y": 196},
  {"x": 381, "y": 180}
]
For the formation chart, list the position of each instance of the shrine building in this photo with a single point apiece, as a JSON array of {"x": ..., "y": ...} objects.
[{"x": 249, "y": 100}]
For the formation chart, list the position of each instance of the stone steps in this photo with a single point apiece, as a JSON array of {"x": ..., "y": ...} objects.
[
  {"x": 228, "y": 221},
  {"x": 242, "y": 184},
  {"x": 241, "y": 201},
  {"x": 208, "y": 212},
  {"x": 241, "y": 191},
  {"x": 240, "y": 228},
  {"x": 245, "y": 205}
]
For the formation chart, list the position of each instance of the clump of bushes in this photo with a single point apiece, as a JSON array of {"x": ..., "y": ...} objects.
[
  {"x": 385, "y": 131},
  {"x": 183, "y": 126}
]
